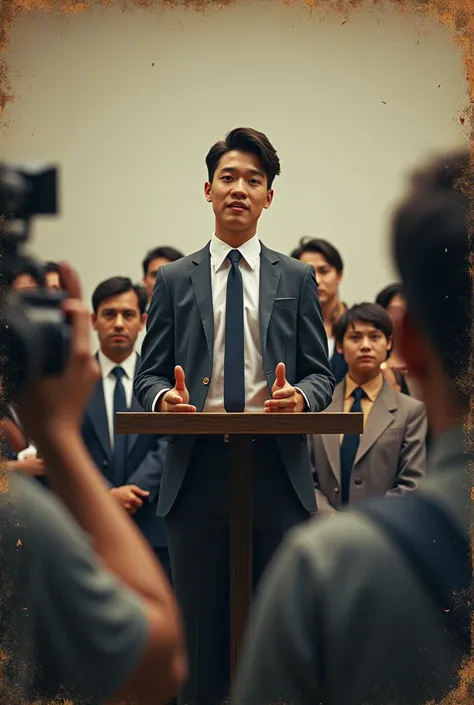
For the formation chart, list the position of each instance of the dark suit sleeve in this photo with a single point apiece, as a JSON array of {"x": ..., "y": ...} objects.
[
  {"x": 157, "y": 369},
  {"x": 150, "y": 471},
  {"x": 313, "y": 367},
  {"x": 412, "y": 463}
]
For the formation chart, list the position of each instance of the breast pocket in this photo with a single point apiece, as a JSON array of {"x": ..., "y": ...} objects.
[{"x": 289, "y": 302}]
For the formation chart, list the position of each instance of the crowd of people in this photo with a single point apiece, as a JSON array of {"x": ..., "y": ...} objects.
[{"x": 238, "y": 327}]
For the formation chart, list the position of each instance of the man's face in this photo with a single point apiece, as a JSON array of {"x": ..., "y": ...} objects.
[
  {"x": 238, "y": 192},
  {"x": 364, "y": 348},
  {"x": 25, "y": 282},
  {"x": 52, "y": 281},
  {"x": 150, "y": 276},
  {"x": 327, "y": 276},
  {"x": 118, "y": 322}
]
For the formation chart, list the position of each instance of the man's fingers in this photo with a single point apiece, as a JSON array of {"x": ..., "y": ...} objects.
[
  {"x": 79, "y": 320},
  {"x": 280, "y": 374},
  {"x": 70, "y": 280},
  {"x": 139, "y": 492},
  {"x": 173, "y": 398},
  {"x": 281, "y": 404},
  {"x": 284, "y": 393},
  {"x": 179, "y": 378},
  {"x": 182, "y": 408}
]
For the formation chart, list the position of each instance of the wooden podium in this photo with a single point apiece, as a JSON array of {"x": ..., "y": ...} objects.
[{"x": 240, "y": 429}]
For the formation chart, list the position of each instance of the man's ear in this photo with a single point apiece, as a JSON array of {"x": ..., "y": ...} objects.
[
  {"x": 269, "y": 199},
  {"x": 207, "y": 192},
  {"x": 94, "y": 321},
  {"x": 143, "y": 321}
]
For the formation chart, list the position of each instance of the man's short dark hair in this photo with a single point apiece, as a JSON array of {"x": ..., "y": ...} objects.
[
  {"x": 116, "y": 286},
  {"x": 51, "y": 267},
  {"x": 388, "y": 293},
  {"x": 163, "y": 252},
  {"x": 431, "y": 250},
  {"x": 245, "y": 139},
  {"x": 34, "y": 270},
  {"x": 370, "y": 313},
  {"x": 322, "y": 247}
]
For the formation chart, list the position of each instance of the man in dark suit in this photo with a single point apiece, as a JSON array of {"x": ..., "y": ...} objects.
[
  {"x": 391, "y": 455},
  {"x": 244, "y": 325},
  {"x": 131, "y": 464}
]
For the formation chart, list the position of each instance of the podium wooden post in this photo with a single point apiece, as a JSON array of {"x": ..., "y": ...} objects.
[{"x": 240, "y": 429}]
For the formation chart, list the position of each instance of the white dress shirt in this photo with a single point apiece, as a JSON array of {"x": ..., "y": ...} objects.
[
  {"x": 109, "y": 380},
  {"x": 256, "y": 388}
]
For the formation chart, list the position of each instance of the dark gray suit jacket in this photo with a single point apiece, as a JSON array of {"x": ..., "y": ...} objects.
[
  {"x": 390, "y": 459},
  {"x": 180, "y": 331}
]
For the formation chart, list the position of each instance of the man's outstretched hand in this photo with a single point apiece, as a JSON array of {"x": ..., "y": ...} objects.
[
  {"x": 177, "y": 399},
  {"x": 285, "y": 398}
]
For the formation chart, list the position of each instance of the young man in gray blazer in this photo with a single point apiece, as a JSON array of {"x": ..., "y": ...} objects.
[
  {"x": 391, "y": 455},
  {"x": 345, "y": 616},
  {"x": 233, "y": 327}
]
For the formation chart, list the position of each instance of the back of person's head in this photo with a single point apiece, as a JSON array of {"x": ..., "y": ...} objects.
[
  {"x": 114, "y": 286},
  {"x": 321, "y": 247},
  {"x": 164, "y": 252},
  {"x": 388, "y": 293},
  {"x": 31, "y": 275},
  {"x": 51, "y": 267},
  {"x": 431, "y": 251}
]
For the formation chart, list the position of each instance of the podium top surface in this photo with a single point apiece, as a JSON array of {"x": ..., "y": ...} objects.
[{"x": 245, "y": 424}]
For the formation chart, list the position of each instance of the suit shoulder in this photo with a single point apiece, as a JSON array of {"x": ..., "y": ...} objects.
[
  {"x": 293, "y": 264},
  {"x": 410, "y": 404}
]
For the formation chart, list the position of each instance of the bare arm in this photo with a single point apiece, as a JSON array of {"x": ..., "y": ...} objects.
[{"x": 54, "y": 422}]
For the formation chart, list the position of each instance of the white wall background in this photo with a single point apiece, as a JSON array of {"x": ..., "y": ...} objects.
[{"x": 128, "y": 103}]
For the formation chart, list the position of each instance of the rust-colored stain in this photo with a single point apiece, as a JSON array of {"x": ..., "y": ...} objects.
[{"x": 457, "y": 14}]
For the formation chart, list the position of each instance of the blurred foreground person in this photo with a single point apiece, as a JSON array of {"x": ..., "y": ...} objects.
[
  {"x": 373, "y": 607},
  {"x": 87, "y": 612}
]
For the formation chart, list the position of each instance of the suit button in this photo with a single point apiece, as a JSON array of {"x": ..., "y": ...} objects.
[
  {"x": 105, "y": 464},
  {"x": 205, "y": 380},
  {"x": 336, "y": 490},
  {"x": 358, "y": 481}
]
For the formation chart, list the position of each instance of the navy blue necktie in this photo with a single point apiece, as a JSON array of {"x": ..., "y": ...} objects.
[
  {"x": 349, "y": 446},
  {"x": 234, "y": 379},
  {"x": 119, "y": 455}
]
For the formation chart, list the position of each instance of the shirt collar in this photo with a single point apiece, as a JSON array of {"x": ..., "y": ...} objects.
[
  {"x": 372, "y": 388},
  {"x": 250, "y": 251},
  {"x": 107, "y": 365}
]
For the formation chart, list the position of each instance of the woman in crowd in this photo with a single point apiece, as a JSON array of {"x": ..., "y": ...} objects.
[
  {"x": 395, "y": 370},
  {"x": 329, "y": 269}
]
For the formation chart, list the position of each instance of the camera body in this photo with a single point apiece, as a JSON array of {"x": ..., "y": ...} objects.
[{"x": 34, "y": 333}]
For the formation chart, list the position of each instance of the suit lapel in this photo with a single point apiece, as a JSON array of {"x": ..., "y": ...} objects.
[
  {"x": 380, "y": 418},
  {"x": 201, "y": 279},
  {"x": 331, "y": 441},
  {"x": 269, "y": 278},
  {"x": 98, "y": 416}
]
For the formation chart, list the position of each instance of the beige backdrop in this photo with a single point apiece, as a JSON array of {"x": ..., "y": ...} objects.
[{"x": 128, "y": 104}]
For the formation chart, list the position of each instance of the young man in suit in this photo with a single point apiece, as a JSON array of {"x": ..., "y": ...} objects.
[
  {"x": 233, "y": 327},
  {"x": 347, "y": 614},
  {"x": 131, "y": 464},
  {"x": 391, "y": 455}
]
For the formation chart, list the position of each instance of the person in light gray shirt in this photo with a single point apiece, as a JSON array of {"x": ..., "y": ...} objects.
[
  {"x": 87, "y": 613},
  {"x": 343, "y": 617}
]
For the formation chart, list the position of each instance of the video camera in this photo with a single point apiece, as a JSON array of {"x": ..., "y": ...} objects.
[{"x": 34, "y": 333}]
